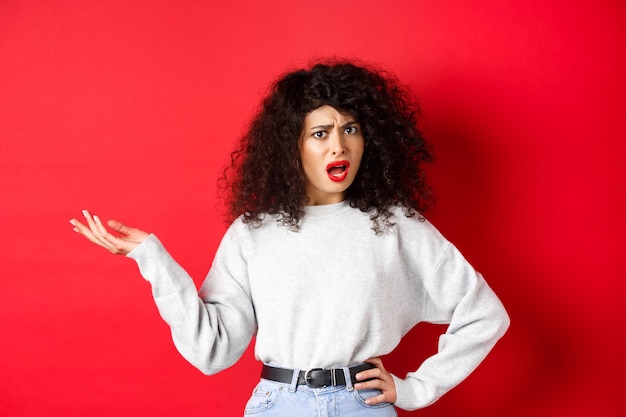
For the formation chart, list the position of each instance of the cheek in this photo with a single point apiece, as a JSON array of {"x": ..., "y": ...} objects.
[
  {"x": 304, "y": 158},
  {"x": 307, "y": 163},
  {"x": 359, "y": 150},
  {"x": 357, "y": 160},
  {"x": 309, "y": 154}
]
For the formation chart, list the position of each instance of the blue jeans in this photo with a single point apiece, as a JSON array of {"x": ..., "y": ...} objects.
[{"x": 276, "y": 399}]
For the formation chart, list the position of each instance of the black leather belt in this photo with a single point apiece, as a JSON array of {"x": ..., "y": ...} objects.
[{"x": 316, "y": 377}]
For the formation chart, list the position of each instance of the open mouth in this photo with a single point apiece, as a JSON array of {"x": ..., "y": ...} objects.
[{"x": 338, "y": 170}]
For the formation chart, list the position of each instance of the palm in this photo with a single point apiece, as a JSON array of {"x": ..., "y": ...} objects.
[{"x": 127, "y": 238}]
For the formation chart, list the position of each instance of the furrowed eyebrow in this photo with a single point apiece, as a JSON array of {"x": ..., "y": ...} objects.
[{"x": 326, "y": 127}]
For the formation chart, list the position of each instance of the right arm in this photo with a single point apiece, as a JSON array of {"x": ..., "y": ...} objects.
[{"x": 211, "y": 331}]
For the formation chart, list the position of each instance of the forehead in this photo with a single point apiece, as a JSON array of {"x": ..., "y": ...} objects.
[{"x": 327, "y": 115}]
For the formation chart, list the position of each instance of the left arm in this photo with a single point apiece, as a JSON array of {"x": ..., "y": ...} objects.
[{"x": 456, "y": 294}]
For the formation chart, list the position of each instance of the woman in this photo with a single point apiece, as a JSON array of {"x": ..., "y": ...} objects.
[{"x": 328, "y": 259}]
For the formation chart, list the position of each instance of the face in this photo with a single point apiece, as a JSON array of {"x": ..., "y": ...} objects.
[{"x": 331, "y": 147}]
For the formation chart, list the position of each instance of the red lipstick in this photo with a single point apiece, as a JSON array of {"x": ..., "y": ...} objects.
[{"x": 338, "y": 170}]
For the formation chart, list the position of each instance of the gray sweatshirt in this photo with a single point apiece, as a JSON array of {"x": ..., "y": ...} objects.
[{"x": 332, "y": 294}]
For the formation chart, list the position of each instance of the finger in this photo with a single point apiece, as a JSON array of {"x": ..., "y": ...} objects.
[
  {"x": 101, "y": 229},
  {"x": 79, "y": 227},
  {"x": 86, "y": 232},
  {"x": 371, "y": 384},
  {"x": 382, "y": 398},
  {"x": 96, "y": 227},
  {"x": 91, "y": 223},
  {"x": 82, "y": 229},
  {"x": 387, "y": 389},
  {"x": 369, "y": 374},
  {"x": 119, "y": 227},
  {"x": 377, "y": 378},
  {"x": 131, "y": 234},
  {"x": 113, "y": 242},
  {"x": 377, "y": 362},
  {"x": 120, "y": 246},
  {"x": 98, "y": 232}
]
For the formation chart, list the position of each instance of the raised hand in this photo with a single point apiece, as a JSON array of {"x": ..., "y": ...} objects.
[{"x": 129, "y": 238}]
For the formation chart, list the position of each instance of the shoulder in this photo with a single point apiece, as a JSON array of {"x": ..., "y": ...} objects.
[
  {"x": 416, "y": 231},
  {"x": 248, "y": 232},
  {"x": 406, "y": 220}
]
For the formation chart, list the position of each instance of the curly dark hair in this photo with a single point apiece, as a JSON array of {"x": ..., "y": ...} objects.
[{"x": 265, "y": 175}]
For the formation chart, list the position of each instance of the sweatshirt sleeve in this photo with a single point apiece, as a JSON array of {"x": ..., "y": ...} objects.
[
  {"x": 456, "y": 294},
  {"x": 210, "y": 330}
]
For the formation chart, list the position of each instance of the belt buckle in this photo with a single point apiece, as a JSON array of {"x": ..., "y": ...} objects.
[{"x": 308, "y": 378}]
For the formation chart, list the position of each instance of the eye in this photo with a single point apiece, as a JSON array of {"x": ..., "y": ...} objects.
[
  {"x": 351, "y": 130},
  {"x": 319, "y": 134}
]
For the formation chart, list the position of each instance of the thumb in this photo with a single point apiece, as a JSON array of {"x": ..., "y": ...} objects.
[{"x": 119, "y": 227}]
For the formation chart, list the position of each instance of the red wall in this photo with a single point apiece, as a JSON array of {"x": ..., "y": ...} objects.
[{"x": 130, "y": 109}]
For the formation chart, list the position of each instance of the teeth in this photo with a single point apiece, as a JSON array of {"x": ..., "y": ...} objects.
[{"x": 337, "y": 170}]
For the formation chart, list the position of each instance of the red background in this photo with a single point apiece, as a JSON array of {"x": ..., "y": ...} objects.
[{"x": 130, "y": 109}]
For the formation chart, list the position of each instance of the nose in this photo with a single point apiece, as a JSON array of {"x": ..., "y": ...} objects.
[{"x": 337, "y": 145}]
